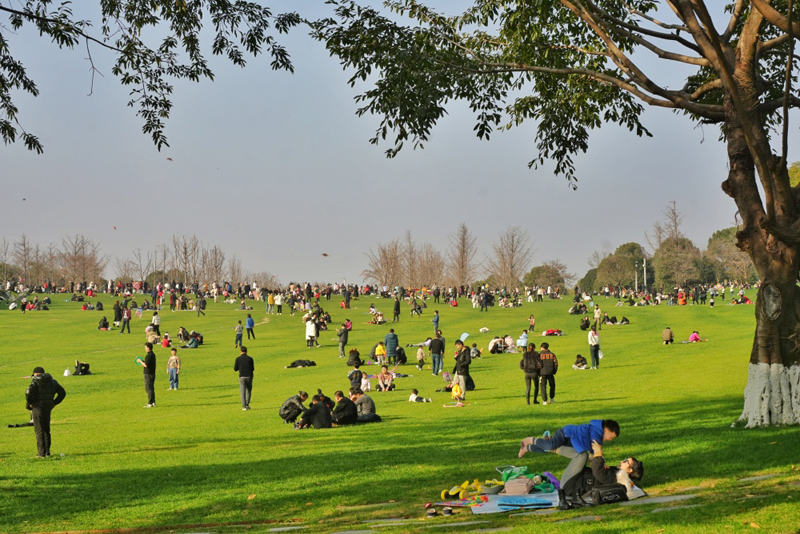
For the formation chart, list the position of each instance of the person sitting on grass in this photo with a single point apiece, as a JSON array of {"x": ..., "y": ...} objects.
[
  {"x": 573, "y": 441},
  {"x": 103, "y": 324},
  {"x": 365, "y": 406},
  {"x": 355, "y": 375},
  {"x": 193, "y": 343},
  {"x": 414, "y": 397},
  {"x": 293, "y": 407},
  {"x": 385, "y": 379},
  {"x": 695, "y": 337},
  {"x": 317, "y": 415},
  {"x": 580, "y": 363},
  {"x": 585, "y": 323},
  {"x": 345, "y": 412}
]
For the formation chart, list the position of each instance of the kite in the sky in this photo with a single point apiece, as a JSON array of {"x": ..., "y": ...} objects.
[
  {"x": 169, "y": 159},
  {"x": 325, "y": 254},
  {"x": 115, "y": 228}
]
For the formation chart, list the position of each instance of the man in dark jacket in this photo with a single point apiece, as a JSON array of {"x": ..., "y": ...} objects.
[
  {"x": 246, "y": 366},
  {"x": 317, "y": 415},
  {"x": 530, "y": 365},
  {"x": 345, "y": 412},
  {"x": 396, "y": 311},
  {"x": 41, "y": 396},
  {"x": 547, "y": 373},
  {"x": 149, "y": 364},
  {"x": 437, "y": 349},
  {"x": 463, "y": 361},
  {"x": 342, "y": 334}
]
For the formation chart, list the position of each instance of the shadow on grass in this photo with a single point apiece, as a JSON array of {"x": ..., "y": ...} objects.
[{"x": 377, "y": 463}]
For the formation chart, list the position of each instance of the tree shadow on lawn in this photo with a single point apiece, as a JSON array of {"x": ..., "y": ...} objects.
[{"x": 412, "y": 463}]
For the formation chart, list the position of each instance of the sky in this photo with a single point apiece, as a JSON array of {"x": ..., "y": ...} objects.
[{"x": 277, "y": 169}]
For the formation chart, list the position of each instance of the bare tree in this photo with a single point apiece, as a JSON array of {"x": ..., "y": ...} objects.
[
  {"x": 6, "y": 248},
  {"x": 143, "y": 264},
  {"x": 384, "y": 264},
  {"x": 461, "y": 266},
  {"x": 23, "y": 255},
  {"x": 409, "y": 253},
  {"x": 596, "y": 257},
  {"x": 80, "y": 259},
  {"x": 212, "y": 263},
  {"x": 265, "y": 279},
  {"x": 186, "y": 256},
  {"x": 235, "y": 271},
  {"x": 431, "y": 265},
  {"x": 512, "y": 257},
  {"x": 162, "y": 260},
  {"x": 125, "y": 269}
]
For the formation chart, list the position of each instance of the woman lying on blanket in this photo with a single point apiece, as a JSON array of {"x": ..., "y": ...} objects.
[{"x": 576, "y": 488}]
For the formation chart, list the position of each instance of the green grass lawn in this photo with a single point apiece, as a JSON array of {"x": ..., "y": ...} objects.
[{"x": 197, "y": 462}]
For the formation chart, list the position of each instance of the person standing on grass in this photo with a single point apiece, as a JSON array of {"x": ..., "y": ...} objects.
[
  {"x": 435, "y": 321},
  {"x": 396, "y": 311},
  {"x": 547, "y": 373},
  {"x": 463, "y": 361},
  {"x": 201, "y": 305},
  {"x": 149, "y": 371},
  {"x": 126, "y": 320},
  {"x": 594, "y": 347},
  {"x": 239, "y": 329},
  {"x": 245, "y": 365},
  {"x": 530, "y": 365},
  {"x": 42, "y": 395},
  {"x": 173, "y": 369},
  {"x": 573, "y": 441},
  {"x": 598, "y": 318},
  {"x": 343, "y": 333},
  {"x": 279, "y": 302},
  {"x": 249, "y": 323},
  {"x": 437, "y": 349},
  {"x": 391, "y": 342},
  {"x": 156, "y": 323}
]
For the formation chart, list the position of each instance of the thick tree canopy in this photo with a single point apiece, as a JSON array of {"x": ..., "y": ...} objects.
[
  {"x": 572, "y": 66},
  {"x": 148, "y": 65}
]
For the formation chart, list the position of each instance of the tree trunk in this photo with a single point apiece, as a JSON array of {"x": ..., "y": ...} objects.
[{"x": 772, "y": 394}]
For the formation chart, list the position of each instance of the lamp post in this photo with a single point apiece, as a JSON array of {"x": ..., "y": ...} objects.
[{"x": 636, "y": 276}]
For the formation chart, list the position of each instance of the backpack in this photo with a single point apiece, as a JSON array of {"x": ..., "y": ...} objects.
[{"x": 609, "y": 494}]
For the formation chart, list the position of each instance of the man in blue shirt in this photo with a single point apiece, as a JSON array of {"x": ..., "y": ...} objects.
[{"x": 573, "y": 441}]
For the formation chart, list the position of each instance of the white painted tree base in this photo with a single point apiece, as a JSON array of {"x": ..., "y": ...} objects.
[{"x": 772, "y": 395}]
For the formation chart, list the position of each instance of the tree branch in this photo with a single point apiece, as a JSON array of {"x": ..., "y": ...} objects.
[
  {"x": 774, "y": 17},
  {"x": 76, "y": 29},
  {"x": 735, "y": 15},
  {"x": 624, "y": 62},
  {"x": 711, "y": 112},
  {"x": 787, "y": 90}
]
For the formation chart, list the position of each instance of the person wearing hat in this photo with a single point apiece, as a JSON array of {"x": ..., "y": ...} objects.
[
  {"x": 41, "y": 396},
  {"x": 463, "y": 361}
]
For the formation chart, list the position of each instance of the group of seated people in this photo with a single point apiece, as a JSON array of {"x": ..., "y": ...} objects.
[
  {"x": 499, "y": 345},
  {"x": 191, "y": 339},
  {"x": 578, "y": 308},
  {"x": 323, "y": 412}
]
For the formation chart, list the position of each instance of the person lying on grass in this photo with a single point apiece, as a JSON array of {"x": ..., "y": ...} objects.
[
  {"x": 573, "y": 441},
  {"x": 575, "y": 490}
]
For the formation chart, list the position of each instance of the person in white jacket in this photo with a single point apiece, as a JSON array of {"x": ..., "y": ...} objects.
[{"x": 594, "y": 347}]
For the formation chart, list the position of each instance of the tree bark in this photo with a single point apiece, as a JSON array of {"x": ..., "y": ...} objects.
[{"x": 772, "y": 394}]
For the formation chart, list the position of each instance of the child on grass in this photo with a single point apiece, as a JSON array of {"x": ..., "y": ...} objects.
[{"x": 414, "y": 397}]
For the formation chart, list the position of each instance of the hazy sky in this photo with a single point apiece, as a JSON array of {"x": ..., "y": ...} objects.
[{"x": 277, "y": 169}]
